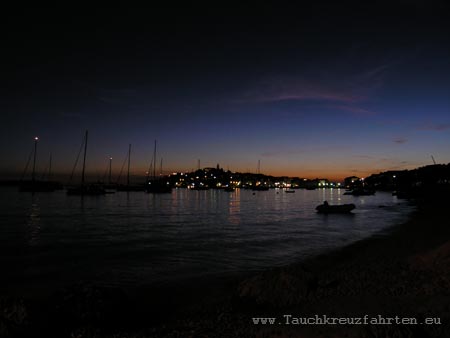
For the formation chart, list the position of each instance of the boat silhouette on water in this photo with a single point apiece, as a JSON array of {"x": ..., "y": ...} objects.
[
  {"x": 128, "y": 186},
  {"x": 35, "y": 185},
  {"x": 157, "y": 185},
  {"x": 326, "y": 208},
  {"x": 86, "y": 189},
  {"x": 39, "y": 186},
  {"x": 360, "y": 192},
  {"x": 83, "y": 188}
]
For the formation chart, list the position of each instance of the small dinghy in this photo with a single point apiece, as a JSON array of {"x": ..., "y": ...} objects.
[{"x": 325, "y": 208}]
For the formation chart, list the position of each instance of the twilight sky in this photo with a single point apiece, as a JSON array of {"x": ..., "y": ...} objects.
[{"x": 317, "y": 90}]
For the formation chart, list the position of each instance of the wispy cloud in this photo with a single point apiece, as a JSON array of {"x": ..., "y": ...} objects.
[
  {"x": 401, "y": 165},
  {"x": 367, "y": 157},
  {"x": 345, "y": 90},
  {"x": 300, "y": 89},
  {"x": 435, "y": 127},
  {"x": 399, "y": 140},
  {"x": 354, "y": 110},
  {"x": 374, "y": 76},
  {"x": 396, "y": 164},
  {"x": 281, "y": 152}
]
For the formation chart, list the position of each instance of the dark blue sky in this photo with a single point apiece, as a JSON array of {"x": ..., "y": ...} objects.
[{"x": 310, "y": 90}]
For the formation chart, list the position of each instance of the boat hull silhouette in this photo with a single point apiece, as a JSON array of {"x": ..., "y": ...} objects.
[
  {"x": 86, "y": 190},
  {"x": 158, "y": 187},
  {"x": 39, "y": 186},
  {"x": 335, "y": 209}
]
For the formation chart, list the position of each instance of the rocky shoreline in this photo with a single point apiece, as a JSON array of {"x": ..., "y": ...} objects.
[{"x": 403, "y": 274}]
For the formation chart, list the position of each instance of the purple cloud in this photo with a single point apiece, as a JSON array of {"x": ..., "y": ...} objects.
[
  {"x": 435, "y": 127},
  {"x": 344, "y": 88},
  {"x": 298, "y": 89},
  {"x": 354, "y": 110},
  {"x": 399, "y": 140},
  {"x": 281, "y": 152},
  {"x": 364, "y": 157}
]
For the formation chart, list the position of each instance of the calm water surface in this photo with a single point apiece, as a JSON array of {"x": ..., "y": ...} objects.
[{"x": 136, "y": 238}]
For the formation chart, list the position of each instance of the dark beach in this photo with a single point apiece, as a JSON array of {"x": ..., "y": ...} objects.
[{"x": 403, "y": 273}]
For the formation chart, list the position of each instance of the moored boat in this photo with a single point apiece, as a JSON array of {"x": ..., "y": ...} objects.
[
  {"x": 128, "y": 186},
  {"x": 157, "y": 185},
  {"x": 131, "y": 187},
  {"x": 83, "y": 188},
  {"x": 360, "y": 192},
  {"x": 39, "y": 186},
  {"x": 35, "y": 185},
  {"x": 86, "y": 189},
  {"x": 325, "y": 208}
]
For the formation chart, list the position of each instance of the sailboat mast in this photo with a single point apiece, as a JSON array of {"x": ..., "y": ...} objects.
[
  {"x": 129, "y": 159},
  {"x": 154, "y": 162},
  {"x": 160, "y": 168},
  {"x": 84, "y": 157},
  {"x": 50, "y": 167},
  {"x": 33, "y": 175},
  {"x": 110, "y": 169}
]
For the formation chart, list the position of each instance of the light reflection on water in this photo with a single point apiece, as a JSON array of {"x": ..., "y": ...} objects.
[
  {"x": 34, "y": 222},
  {"x": 137, "y": 238}
]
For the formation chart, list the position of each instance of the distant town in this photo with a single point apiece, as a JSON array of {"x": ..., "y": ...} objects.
[
  {"x": 424, "y": 181},
  {"x": 216, "y": 177},
  {"x": 438, "y": 174}
]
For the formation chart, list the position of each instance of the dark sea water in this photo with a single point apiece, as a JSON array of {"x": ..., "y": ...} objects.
[{"x": 134, "y": 239}]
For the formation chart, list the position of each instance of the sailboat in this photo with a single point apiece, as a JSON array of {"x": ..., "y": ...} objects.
[
  {"x": 259, "y": 186},
  {"x": 157, "y": 185},
  {"x": 110, "y": 187},
  {"x": 35, "y": 185},
  {"x": 54, "y": 185},
  {"x": 83, "y": 188},
  {"x": 128, "y": 186}
]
